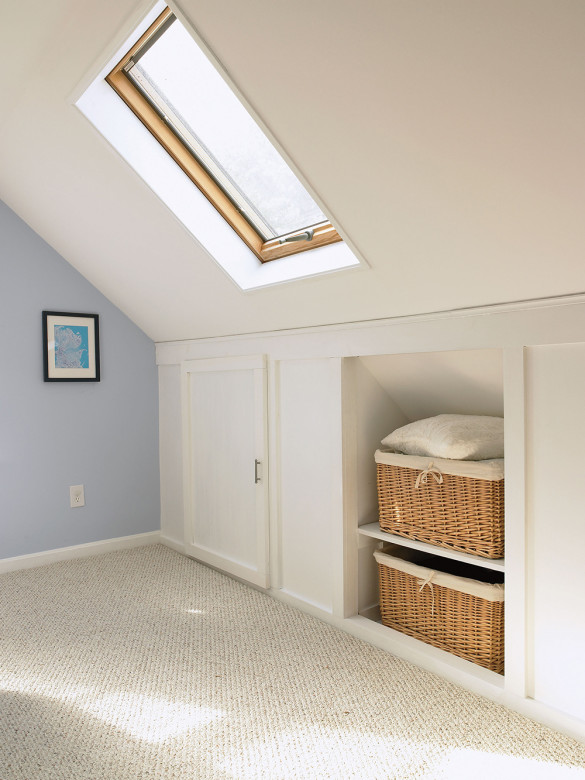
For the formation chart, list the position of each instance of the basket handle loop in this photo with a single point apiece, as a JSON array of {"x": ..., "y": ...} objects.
[
  {"x": 433, "y": 471},
  {"x": 428, "y": 582}
]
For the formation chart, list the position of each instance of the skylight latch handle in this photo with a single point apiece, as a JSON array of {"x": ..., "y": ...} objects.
[{"x": 306, "y": 235}]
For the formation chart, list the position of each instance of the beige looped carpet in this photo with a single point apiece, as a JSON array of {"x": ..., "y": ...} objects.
[{"x": 145, "y": 664}]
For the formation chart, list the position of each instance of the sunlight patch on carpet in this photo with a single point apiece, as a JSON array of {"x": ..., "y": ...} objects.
[
  {"x": 151, "y": 719},
  {"x": 148, "y": 718}
]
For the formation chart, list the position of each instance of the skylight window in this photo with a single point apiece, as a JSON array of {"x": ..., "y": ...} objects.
[{"x": 172, "y": 87}]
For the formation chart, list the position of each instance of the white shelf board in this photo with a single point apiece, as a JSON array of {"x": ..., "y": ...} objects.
[{"x": 373, "y": 530}]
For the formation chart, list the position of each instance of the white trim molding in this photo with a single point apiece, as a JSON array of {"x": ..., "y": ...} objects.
[
  {"x": 78, "y": 551},
  {"x": 555, "y": 320}
]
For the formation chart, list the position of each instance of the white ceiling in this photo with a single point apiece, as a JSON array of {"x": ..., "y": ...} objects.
[{"x": 444, "y": 139}]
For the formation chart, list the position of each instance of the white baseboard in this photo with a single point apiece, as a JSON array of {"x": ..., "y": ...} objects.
[
  {"x": 78, "y": 551},
  {"x": 174, "y": 544}
]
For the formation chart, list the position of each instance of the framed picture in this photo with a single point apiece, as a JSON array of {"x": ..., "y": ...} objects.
[{"x": 71, "y": 347}]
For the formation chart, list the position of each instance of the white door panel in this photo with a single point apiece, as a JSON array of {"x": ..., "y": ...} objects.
[{"x": 225, "y": 436}]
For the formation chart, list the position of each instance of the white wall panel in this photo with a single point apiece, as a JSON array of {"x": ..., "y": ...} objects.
[
  {"x": 556, "y": 516},
  {"x": 310, "y": 478}
]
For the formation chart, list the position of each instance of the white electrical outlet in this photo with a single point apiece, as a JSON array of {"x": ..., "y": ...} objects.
[{"x": 76, "y": 496}]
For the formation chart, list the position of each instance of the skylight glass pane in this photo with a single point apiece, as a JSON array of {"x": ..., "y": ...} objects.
[{"x": 179, "y": 78}]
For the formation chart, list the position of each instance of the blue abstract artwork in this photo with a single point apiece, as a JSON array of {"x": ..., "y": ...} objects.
[{"x": 71, "y": 346}]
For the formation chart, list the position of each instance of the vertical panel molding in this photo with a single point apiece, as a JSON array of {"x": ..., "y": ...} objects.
[{"x": 514, "y": 433}]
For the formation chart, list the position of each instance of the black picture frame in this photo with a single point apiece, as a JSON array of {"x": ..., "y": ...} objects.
[{"x": 71, "y": 347}]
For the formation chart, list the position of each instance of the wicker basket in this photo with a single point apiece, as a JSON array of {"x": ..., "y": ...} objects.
[
  {"x": 459, "y": 513},
  {"x": 443, "y": 609}
]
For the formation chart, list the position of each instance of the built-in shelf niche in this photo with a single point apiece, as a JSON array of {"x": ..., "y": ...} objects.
[{"x": 392, "y": 390}]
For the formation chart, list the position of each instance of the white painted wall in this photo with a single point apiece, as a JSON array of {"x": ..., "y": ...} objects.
[{"x": 556, "y": 524}]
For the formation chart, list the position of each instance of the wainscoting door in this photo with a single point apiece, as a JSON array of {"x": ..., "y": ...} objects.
[{"x": 225, "y": 468}]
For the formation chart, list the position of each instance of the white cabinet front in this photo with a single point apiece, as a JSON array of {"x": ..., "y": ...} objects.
[{"x": 225, "y": 469}]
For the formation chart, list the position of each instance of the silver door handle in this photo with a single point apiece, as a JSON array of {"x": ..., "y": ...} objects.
[{"x": 256, "y": 477}]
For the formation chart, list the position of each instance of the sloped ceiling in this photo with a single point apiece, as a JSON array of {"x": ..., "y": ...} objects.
[
  {"x": 444, "y": 139},
  {"x": 426, "y": 384}
]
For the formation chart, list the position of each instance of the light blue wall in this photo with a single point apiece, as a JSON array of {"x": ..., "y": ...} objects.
[{"x": 103, "y": 435}]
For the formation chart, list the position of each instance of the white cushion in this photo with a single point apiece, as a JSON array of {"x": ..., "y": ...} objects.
[{"x": 453, "y": 436}]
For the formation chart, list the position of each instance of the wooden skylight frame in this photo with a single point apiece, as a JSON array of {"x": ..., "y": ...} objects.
[{"x": 265, "y": 250}]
